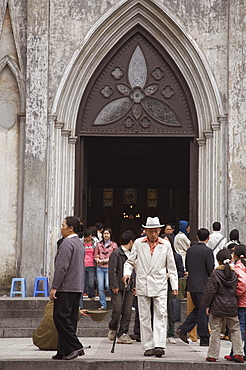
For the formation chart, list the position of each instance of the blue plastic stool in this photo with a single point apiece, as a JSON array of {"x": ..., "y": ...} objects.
[
  {"x": 36, "y": 286},
  {"x": 13, "y": 290}
]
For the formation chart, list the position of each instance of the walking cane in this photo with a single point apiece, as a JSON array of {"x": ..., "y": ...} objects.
[{"x": 118, "y": 323}]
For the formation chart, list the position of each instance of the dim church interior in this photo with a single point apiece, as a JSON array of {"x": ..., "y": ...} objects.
[{"x": 130, "y": 179}]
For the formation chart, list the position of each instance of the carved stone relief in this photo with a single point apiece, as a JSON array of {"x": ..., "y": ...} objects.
[{"x": 137, "y": 91}]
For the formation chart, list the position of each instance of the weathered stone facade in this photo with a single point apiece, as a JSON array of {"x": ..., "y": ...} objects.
[{"x": 48, "y": 52}]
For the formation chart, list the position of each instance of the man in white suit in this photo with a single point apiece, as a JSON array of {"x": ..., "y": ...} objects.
[{"x": 152, "y": 257}]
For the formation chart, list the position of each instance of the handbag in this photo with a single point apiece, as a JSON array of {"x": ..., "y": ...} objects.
[{"x": 175, "y": 309}]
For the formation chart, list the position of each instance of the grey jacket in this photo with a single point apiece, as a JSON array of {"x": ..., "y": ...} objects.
[{"x": 69, "y": 266}]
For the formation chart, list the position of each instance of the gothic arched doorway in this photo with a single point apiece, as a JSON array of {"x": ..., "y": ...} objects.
[{"x": 136, "y": 155}]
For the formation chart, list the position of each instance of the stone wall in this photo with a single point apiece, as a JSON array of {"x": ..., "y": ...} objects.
[
  {"x": 9, "y": 149},
  {"x": 38, "y": 41},
  {"x": 237, "y": 118}
]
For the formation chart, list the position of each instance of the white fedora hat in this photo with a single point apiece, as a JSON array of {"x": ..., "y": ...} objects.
[{"x": 152, "y": 222}]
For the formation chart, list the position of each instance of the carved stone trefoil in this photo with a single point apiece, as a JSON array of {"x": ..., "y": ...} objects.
[
  {"x": 128, "y": 122},
  {"x": 117, "y": 73},
  {"x": 107, "y": 91},
  {"x": 145, "y": 122},
  {"x": 137, "y": 96},
  {"x": 158, "y": 73},
  {"x": 168, "y": 92}
]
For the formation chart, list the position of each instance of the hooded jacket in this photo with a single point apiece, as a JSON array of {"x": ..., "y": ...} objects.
[
  {"x": 240, "y": 270},
  {"x": 220, "y": 293}
]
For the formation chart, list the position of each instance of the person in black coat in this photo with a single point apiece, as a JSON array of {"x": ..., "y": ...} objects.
[
  {"x": 199, "y": 265},
  {"x": 121, "y": 307},
  {"x": 180, "y": 271}
]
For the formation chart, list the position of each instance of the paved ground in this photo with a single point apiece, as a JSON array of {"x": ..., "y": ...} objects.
[{"x": 23, "y": 349}]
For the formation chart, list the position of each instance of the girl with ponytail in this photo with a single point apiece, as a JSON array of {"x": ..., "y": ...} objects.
[
  {"x": 240, "y": 269},
  {"x": 220, "y": 301}
]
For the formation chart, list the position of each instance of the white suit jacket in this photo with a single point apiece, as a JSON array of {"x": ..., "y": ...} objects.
[{"x": 151, "y": 270}]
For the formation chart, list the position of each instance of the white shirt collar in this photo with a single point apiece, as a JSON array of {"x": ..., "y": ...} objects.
[
  {"x": 71, "y": 236},
  {"x": 126, "y": 251}
]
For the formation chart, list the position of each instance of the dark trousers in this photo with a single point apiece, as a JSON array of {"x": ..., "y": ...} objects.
[
  {"x": 90, "y": 272},
  {"x": 170, "y": 332},
  {"x": 65, "y": 316},
  {"x": 136, "y": 329},
  {"x": 121, "y": 308},
  {"x": 197, "y": 317}
]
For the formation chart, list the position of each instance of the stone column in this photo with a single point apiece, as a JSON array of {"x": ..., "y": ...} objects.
[
  {"x": 212, "y": 191},
  {"x": 66, "y": 170},
  {"x": 72, "y": 140},
  {"x": 51, "y": 188},
  {"x": 35, "y": 156},
  {"x": 237, "y": 118},
  {"x": 201, "y": 181},
  {"x": 22, "y": 129}
]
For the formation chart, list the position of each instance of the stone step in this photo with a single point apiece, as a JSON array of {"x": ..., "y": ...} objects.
[{"x": 21, "y": 316}]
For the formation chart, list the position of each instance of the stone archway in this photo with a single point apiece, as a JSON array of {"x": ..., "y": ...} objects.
[
  {"x": 138, "y": 92},
  {"x": 171, "y": 35}
]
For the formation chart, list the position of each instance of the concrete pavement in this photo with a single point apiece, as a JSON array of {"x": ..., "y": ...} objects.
[{"x": 21, "y": 354}]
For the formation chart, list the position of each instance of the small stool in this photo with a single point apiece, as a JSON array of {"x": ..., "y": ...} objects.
[
  {"x": 36, "y": 286},
  {"x": 13, "y": 290}
]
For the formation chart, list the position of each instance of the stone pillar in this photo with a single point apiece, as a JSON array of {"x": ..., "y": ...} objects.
[
  {"x": 237, "y": 119},
  {"x": 22, "y": 129},
  {"x": 201, "y": 181},
  {"x": 212, "y": 187},
  {"x": 35, "y": 157},
  {"x": 51, "y": 189}
]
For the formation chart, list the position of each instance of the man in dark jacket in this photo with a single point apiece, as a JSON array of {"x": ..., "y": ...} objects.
[
  {"x": 66, "y": 290},
  {"x": 199, "y": 265},
  {"x": 116, "y": 266}
]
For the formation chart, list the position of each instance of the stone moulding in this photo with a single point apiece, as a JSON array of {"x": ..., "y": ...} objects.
[
  {"x": 215, "y": 126},
  {"x": 72, "y": 139},
  {"x": 208, "y": 134},
  {"x": 201, "y": 141},
  {"x": 59, "y": 125},
  {"x": 169, "y": 32},
  {"x": 66, "y": 132},
  {"x": 8, "y": 61}
]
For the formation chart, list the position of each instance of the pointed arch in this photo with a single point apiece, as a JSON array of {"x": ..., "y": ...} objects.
[
  {"x": 2, "y": 13},
  {"x": 168, "y": 31},
  {"x": 7, "y": 60},
  {"x": 17, "y": 13}
]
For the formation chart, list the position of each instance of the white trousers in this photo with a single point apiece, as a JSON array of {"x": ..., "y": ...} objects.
[{"x": 156, "y": 337}]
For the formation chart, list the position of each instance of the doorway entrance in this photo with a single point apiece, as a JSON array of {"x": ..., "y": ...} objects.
[
  {"x": 137, "y": 154},
  {"x": 125, "y": 180}
]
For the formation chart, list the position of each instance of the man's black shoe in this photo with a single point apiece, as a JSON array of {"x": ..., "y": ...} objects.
[
  {"x": 58, "y": 356},
  {"x": 159, "y": 351},
  {"x": 149, "y": 352},
  {"x": 182, "y": 335},
  {"x": 135, "y": 337},
  {"x": 75, "y": 354}
]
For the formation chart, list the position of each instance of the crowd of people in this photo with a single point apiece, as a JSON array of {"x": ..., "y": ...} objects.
[{"x": 146, "y": 273}]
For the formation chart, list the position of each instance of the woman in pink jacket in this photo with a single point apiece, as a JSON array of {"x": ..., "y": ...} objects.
[
  {"x": 102, "y": 253},
  {"x": 240, "y": 269}
]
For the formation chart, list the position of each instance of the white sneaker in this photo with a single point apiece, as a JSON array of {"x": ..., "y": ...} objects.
[
  {"x": 111, "y": 334},
  {"x": 172, "y": 340},
  {"x": 191, "y": 341},
  {"x": 124, "y": 339}
]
